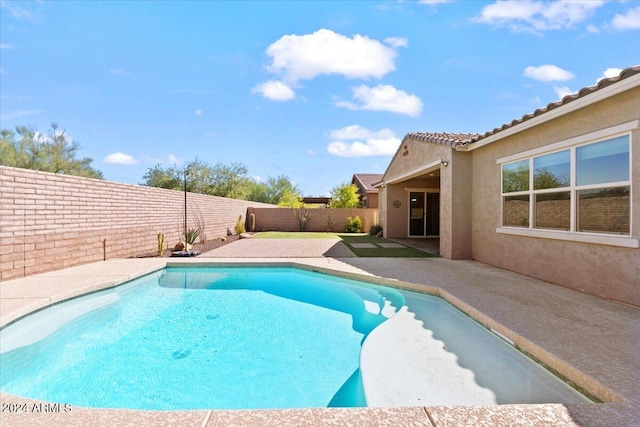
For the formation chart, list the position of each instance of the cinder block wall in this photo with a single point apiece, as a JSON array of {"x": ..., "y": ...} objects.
[
  {"x": 320, "y": 220},
  {"x": 50, "y": 221}
]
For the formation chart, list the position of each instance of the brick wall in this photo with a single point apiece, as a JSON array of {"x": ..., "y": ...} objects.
[
  {"x": 50, "y": 221},
  {"x": 321, "y": 220}
]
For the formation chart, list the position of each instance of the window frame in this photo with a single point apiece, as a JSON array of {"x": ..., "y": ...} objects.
[{"x": 615, "y": 239}]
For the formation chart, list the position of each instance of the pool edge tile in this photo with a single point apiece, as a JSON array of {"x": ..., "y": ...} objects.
[
  {"x": 338, "y": 417},
  {"x": 505, "y": 415}
]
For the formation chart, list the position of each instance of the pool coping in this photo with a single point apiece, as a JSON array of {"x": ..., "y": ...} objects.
[{"x": 618, "y": 408}]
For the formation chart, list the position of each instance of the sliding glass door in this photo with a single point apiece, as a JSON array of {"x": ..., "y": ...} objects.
[{"x": 424, "y": 214}]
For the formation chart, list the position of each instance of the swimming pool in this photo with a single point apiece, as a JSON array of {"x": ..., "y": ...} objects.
[{"x": 240, "y": 338}]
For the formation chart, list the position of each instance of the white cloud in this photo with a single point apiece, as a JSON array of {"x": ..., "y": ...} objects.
[
  {"x": 383, "y": 98},
  {"x": 562, "y": 91},
  {"x": 610, "y": 72},
  {"x": 119, "y": 158},
  {"x": 537, "y": 16},
  {"x": 119, "y": 72},
  {"x": 23, "y": 13},
  {"x": 593, "y": 29},
  {"x": 274, "y": 90},
  {"x": 434, "y": 2},
  {"x": 311, "y": 152},
  {"x": 629, "y": 21},
  {"x": 397, "y": 41},
  {"x": 169, "y": 160},
  {"x": 199, "y": 113},
  {"x": 305, "y": 57},
  {"x": 548, "y": 73},
  {"x": 7, "y": 46},
  {"x": 351, "y": 132},
  {"x": 20, "y": 113},
  {"x": 356, "y": 141}
]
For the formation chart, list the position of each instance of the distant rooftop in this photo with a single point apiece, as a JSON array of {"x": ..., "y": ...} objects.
[{"x": 367, "y": 180}]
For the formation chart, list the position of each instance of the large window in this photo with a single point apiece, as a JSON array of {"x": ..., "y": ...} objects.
[{"x": 584, "y": 189}]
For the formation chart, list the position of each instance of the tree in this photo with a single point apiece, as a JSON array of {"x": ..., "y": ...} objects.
[
  {"x": 230, "y": 181},
  {"x": 275, "y": 191},
  {"x": 218, "y": 180},
  {"x": 280, "y": 189},
  {"x": 289, "y": 199},
  {"x": 345, "y": 196},
  {"x": 51, "y": 152},
  {"x": 157, "y": 176},
  {"x": 223, "y": 180}
]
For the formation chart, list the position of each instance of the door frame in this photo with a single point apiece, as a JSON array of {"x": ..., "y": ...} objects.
[{"x": 408, "y": 211}]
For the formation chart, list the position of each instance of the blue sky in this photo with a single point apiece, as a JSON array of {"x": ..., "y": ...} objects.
[{"x": 316, "y": 91}]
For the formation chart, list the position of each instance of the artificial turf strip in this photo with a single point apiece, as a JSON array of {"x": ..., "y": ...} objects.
[
  {"x": 380, "y": 252},
  {"x": 377, "y": 252}
]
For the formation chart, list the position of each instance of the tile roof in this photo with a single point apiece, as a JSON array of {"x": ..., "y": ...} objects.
[
  {"x": 367, "y": 180},
  {"x": 450, "y": 139},
  {"x": 455, "y": 139}
]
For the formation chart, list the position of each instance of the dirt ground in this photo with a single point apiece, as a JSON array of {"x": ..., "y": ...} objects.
[{"x": 209, "y": 245}]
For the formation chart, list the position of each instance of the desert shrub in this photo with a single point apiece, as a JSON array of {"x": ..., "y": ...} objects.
[
  {"x": 160, "y": 244},
  {"x": 375, "y": 229},
  {"x": 240, "y": 225},
  {"x": 354, "y": 225},
  {"x": 302, "y": 215},
  {"x": 191, "y": 236}
]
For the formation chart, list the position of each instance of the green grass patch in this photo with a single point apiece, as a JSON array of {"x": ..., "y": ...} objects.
[
  {"x": 378, "y": 251},
  {"x": 348, "y": 239}
]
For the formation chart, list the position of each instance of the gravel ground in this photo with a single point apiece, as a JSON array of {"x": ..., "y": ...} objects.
[{"x": 209, "y": 245}]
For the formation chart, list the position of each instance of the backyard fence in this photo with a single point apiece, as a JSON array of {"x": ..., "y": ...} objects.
[
  {"x": 319, "y": 220},
  {"x": 51, "y": 221}
]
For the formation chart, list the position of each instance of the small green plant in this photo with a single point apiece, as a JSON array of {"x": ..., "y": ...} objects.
[
  {"x": 160, "y": 244},
  {"x": 354, "y": 225},
  {"x": 375, "y": 229},
  {"x": 191, "y": 236},
  {"x": 240, "y": 225},
  {"x": 252, "y": 222}
]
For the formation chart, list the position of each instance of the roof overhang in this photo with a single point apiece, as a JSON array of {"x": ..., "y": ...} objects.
[{"x": 412, "y": 174}]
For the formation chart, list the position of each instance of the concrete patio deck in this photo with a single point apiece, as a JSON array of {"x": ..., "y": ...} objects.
[{"x": 591, "y": 341}]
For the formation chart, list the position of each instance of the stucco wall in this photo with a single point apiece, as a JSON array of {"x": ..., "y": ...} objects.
[
  {"x": 455, "y": 184},
  {"x": 610, "y": 271},
  {"x": 460, "y": 174},
  {"x": 398, "y": 219},
  {"x": 50, "y": 221}
]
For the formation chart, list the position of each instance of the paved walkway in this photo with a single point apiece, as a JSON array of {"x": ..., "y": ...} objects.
[
  {"x": 282, "y": 248},
  {"x": 593, "y": 342}
]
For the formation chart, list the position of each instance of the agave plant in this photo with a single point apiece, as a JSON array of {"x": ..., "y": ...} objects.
[{"x": 191, "y": 236}]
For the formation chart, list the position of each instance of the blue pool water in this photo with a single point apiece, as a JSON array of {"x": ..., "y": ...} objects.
[{"x": 228, "y": 338}]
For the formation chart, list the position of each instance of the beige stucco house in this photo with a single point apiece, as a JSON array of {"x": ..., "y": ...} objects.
[{"x": 554, "y": 195}]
